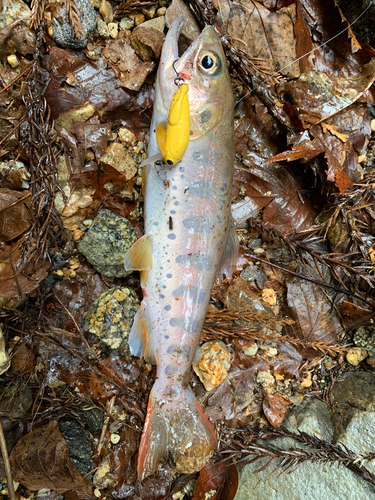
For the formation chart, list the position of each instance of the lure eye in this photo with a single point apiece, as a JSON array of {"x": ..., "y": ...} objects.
[
  {"x": 170, "y": 162},
  {"x": 209, "y": 63}
]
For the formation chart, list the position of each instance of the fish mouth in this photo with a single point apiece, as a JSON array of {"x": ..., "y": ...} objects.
[{"x": 171, "y": 66}]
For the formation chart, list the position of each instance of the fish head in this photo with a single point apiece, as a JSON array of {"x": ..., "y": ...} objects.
[{"x": 204, "y": 69}]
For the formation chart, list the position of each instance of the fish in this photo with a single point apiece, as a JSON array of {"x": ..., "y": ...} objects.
[{"x": 189, "y": 241}]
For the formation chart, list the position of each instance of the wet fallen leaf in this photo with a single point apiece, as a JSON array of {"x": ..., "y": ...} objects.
[
  {"x": 41, "y": 460},
  {"x": 316, "y": 321},
  {"x": 16, "y": 281},
  {"x": 14, "y": 216},
  {"x": 217, "y": 481},
  {"x": 354, "y": 316},
  {"x": 275, "y": 408}
]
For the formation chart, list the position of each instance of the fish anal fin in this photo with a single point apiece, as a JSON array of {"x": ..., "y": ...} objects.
[
  {"x": 229, "y": 257},
  {"x": 161, "y": 137},
  {"x": 139, "y": 255},
  {"x": 175, "y": 425},
  {"x": 140, "y": 337}
]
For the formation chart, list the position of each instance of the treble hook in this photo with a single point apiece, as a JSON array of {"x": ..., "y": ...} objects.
[{"x": 178, "y": 80}]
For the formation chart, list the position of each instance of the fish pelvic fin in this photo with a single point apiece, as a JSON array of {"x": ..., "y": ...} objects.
[
  {"x": 228, "y": 262},
  {"x": 139, "y": 255},
  {"x": 140, "y": 337},
  {"x": 176, "y": 426}
]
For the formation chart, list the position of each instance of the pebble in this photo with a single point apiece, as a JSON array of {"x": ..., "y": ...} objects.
[
  {"x": 18, "y": 176},
  {"x": 127, "y": 136},
  {"x": 70, "y": 118},
  {"x": 254, "y": 243},
  {"x": 102, "y": 28},
  {"x": 355, "y": 355},
  {"x": 158, "y": 23},
  {"x": 269, "y": 296},
  {"x": 106, "y": 242},
  {"x": 250, "y": 273},
  {"x": 13, "y": 60},
  {"x": 265, "y": 379},
  {"x": 115, "y": 438},
  {"x": 161, "y": 12},
  {"x": 12, "y": 10},
  {"x": 111, "y": 316},
  {"x": 258, "y": 250},
  {"x": 113, "y": 30},
  {"x": 373, "y": 125},
  {"x": 126, "y": 23},
  {"x": 251, "y": 350},
  {"x": 364, "y": 336},
  {"x": 306, "y": 381},
  {"x": 212, "y": 368},
  {"x": 62, "y": 30},
  {"x": 106, "y": 11},
  {"x": 149, "y": 11},
  {"x": 118, "y": 156},
  {"x": 137, "y": 17}
]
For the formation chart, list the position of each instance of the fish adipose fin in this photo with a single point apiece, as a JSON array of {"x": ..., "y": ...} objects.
[
  {"x": 140, "y": 338},
  {"x": 176, "y": 426},
  {"x": 229, "y": 257},
  {"x": 139, "y": 255}
]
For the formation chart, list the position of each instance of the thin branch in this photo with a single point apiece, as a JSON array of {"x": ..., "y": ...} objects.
[{"x": 8, "y": 469}]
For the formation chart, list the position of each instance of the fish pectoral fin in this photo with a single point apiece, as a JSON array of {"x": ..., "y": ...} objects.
[
  {"x": 139, "y": 255},
  {"x": 161, "y": 137},
  {"x": 229, "y": 257},
  {"x": 140, "y": 338},
  {"x": 175, "y": 425}
]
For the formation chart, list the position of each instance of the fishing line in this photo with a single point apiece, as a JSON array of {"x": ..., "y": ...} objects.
[{"x": 310, "y": 52}]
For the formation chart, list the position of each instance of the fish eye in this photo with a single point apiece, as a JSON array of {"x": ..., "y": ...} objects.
[{"x": 209, "y": 63}]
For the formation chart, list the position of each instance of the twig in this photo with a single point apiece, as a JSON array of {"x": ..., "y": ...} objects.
[
  {"x": 110, "y": 405},
  {"x": 8, "y": 469}
]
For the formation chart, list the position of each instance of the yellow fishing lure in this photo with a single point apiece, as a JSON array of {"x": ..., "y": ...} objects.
[{"x": 173, "y": 139}]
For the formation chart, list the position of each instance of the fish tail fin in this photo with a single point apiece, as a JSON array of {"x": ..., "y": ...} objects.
[{"x": 176, "y": 426}]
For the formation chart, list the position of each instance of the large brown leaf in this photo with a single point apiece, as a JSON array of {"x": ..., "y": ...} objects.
[
  {"x": 14, "y": 216},
  {"x": 217, "y": 482},
  {"x": 41, "y": 460},
  {"x": 316, "y": 320}
]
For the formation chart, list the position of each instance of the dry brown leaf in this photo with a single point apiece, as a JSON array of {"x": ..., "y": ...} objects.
[
  {"x": 217, "y": 481},
  {"x": 41, "y": 460}
]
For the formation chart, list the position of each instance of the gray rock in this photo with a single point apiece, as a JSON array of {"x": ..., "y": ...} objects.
[
  {"x": 353, "y": 416},
  {"x": 250, "y": 273},
  {"x": 79, "y": 446},
  {"x": 365, "y": 337},
  {"x": 106, "y": 243},
  {"x": 111, "y": 316},
  {"x": 311, "y": 417},
  {"x": 261, "y": 279},
  {"x": 310, "y": 480},
  {"x": 62, "y": 30}
]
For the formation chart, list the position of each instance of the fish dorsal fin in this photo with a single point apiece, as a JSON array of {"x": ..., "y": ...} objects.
[
  {"x": 229, "y": 257},
  {"x": 161, "y": 137},
  {"x": 139, "y": 255},
  {"x": 140, "y": 338}
]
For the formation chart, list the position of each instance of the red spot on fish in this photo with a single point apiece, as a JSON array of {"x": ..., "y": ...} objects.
[
  {"x": 144, "y": 292},
  {"x": 215, "y": 131},
  {"x": 185, "y": 76}
]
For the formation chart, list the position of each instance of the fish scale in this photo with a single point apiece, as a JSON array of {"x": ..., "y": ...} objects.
[{"x": 189, "y": 241}]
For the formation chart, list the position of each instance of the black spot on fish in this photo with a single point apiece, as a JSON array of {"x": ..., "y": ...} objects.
[
  {"x": 176, "y": 203},
  {"x": 174, "y": 187},
  {"x": 182, "y": 169},
  {"x": 167, "y": 308},
  {"x": 155, "y": 223},
  {"x": 172, "y": 236},
  {"x": 169, "y": 276}
]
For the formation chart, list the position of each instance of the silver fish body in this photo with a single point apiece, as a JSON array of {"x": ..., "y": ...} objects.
[{"x": 188, "y": 226}]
